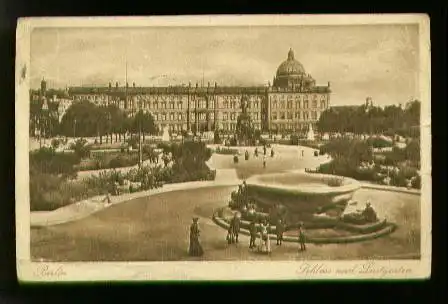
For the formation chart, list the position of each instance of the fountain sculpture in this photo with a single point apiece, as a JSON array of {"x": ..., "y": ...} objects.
[{"x": 316, "y": 201}]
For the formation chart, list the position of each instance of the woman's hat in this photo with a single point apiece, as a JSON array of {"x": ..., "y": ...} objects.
[{"x": 195, "y": 219}]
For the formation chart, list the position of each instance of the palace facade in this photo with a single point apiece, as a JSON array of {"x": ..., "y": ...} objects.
[{"x": 290, "y": 104}]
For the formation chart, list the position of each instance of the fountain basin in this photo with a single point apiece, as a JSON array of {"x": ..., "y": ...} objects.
[{"x": 303, "y": 195}]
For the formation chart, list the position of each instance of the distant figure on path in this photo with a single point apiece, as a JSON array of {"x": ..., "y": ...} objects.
[
  {"x": 302, "y": 153},
  {"x": 256, "y": 152},
  {"x": 107, "y": 198},
  {"x": 235, "y": 227},
  {"x": 280, "y": 229},
  {"x": 245, "y": 193},
  {"x": 229, "y": 236},
  {"x": 265, "y": 245},
  {"x": 195, "y": 246},
  {"x": 264, "y": 149},
  {"x": 272, "y": 152},
  {"x": 253, "y": 234},
  {"x": 264, "y": 161},
  {"x": 369, "y": 213},
  {"x": 246, "y": 155},
  {"x": 302, "y": 238}
]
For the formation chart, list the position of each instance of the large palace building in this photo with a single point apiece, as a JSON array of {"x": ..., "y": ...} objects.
[{"x": 290, "y": 104}]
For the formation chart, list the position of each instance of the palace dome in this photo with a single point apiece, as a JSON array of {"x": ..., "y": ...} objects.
[{"x": 290, "y": 66}]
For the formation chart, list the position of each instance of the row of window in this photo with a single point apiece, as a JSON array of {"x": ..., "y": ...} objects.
[
  {"x": 290, "y": 115},
  {"x": 289, "y": 126},
  {"x": 232, "y": 126},
  {"x": 201, "y": 116},
  {"x": 296, "y": 97},
  {"x": 298, "y": 104},
  {"x": 232, "y": 105},
  {"x": 233, "y": 116},
  {"x": 202, "y": 104},
  {"x": 181, "y": 116}
]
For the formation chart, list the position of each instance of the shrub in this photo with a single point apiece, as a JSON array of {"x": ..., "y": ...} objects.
[
  {"x": 47, "y": 160},
  {"x": 233, "y": 141},
  {"x": 378, "y": 142},
  {"x": 122, "y": 161},
  {"x": 334, "y": 181},
  {"x": 217, "y": 139},
  {"x": 294, "y": 140},
  {"x": 81, "y": 148},
  {"x": 398, "y": 180},
  {"x": 55, "y": 143},
  {"x": 133, "y": 142},
  {"x": 416, "y": 183},
  {"x": 49, "y": 192}
]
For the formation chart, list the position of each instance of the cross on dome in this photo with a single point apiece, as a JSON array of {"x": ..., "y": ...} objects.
[{"x": 291, "y": 54}]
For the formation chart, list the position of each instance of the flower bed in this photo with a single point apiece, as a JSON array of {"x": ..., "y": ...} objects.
[{"x": 49, "y": 191}]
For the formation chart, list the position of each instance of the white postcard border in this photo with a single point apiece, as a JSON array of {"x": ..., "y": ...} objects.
[{"x": 242, "y": 270}]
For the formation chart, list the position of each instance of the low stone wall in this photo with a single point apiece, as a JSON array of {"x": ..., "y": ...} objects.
[{"x": 385, "y": 230}]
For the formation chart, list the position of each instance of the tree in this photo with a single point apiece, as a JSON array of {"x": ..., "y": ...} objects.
[
  {"x": 412, "y": 113},
  {"x": 144, "y": 122},
  {"x": 367, "y": 119},
  {"x": 85, "y": 114}
]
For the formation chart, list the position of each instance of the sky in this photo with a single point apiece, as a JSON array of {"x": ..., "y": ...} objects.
[{"x": 380, "y": 61}]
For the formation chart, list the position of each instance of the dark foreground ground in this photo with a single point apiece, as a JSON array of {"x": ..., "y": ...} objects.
[{"x": 156, "y": 229}]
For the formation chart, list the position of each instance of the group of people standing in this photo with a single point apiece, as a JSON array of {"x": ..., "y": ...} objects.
[
  {"x": 262, "y": 230},
  {"x": 264, "y": 154},
  {"x": 265, "y": 240}
]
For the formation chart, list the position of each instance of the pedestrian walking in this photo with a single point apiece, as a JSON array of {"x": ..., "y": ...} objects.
[
  {"x": 265, "y": 245},
  {"x": 264, "y": 161},
  {"x": 236, "y": 226},
  {"x": 253, "y": 234},
  {"x": 280, "y": 228},
  {"x": 195, "y": 246},
  {"x": 229, "y": 236},
  {"x": 107, "y": 198},
  {"x": 302, "y": 238}
]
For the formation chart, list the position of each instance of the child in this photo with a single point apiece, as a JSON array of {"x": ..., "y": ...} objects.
[{"x": 229, "y": 236}]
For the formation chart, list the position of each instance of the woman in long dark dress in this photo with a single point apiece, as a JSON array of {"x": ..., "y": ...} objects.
[{"x": 195, "y": 246}]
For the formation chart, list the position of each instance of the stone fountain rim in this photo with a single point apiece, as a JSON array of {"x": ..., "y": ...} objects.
[{"x": 353, "y": 184}]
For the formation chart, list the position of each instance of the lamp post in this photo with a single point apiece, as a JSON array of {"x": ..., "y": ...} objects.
[
  {"x": 43, "y": 120},
  {"x": 109, "y": 119},
  {"x": 140, "y": 158},
  {"x": 74, "y": 128}
]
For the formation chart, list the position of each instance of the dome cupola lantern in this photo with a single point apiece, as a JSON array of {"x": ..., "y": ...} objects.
[
  {"x": 291, "y": 54},
  {"x": 289, "y": 73},
  {"x": 290, "y": 66}
]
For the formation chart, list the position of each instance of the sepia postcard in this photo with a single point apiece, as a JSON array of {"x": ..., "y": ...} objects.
[{"x": 223, "y": 148}]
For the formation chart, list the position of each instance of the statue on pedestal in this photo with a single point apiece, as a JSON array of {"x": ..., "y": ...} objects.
[
  {"x": 310, "y": 134},
  {"x": 166, "y": 134}
]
